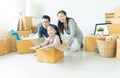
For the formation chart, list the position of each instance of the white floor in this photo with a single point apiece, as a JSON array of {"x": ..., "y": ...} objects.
[{"x": 77, "y": 65}]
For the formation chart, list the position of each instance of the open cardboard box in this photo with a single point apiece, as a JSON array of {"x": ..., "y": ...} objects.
[
  {"x": 51, "y": 55},
  {"x": 23, "y": 46},
  {"x": 5, "y": 46}
]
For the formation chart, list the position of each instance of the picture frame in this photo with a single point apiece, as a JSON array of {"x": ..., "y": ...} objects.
[{"x": 102, "y": 25}]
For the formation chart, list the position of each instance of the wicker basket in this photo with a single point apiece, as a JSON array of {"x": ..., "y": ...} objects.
[{"x": 106, "y": 48}]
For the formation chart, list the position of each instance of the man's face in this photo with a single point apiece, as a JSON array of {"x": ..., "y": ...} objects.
[{"x": 45, "y": 22}]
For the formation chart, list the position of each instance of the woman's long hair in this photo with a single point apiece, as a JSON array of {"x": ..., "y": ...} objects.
[
  {"x": 57, "y": 32},
  {"x": 61, "y": 24}
]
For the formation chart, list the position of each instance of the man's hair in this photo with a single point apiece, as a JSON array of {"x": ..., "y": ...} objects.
[{"x": 46, "y": 17}]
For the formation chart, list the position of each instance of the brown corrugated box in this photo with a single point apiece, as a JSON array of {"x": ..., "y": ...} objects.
[
  {"x": 23, "y": 46},
  {"x": 27, "y": 23},
  {"x": 114, "y": 28},
  {"x": 51, "y": 55},
  {"x": 115, "y": 20},
  {"x": 90, "y": 42},
  {"x": 13, "y": 41},
  {"x": 24, "y": 33},
  {"x": 5, "y": 46},
  {"x": 118, "y": 49},
  {"x": 117, "y": 12},
  {"x": 34, "y": 29}
]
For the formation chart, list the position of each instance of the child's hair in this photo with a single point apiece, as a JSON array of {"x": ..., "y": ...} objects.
[{"x": 57, "y": 32}]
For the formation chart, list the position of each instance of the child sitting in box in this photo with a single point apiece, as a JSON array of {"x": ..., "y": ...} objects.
[{"x": 53, "y": 40}]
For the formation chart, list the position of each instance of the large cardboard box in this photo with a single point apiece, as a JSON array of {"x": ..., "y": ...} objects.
[
  {"x": 13, "y": 43},
  {"x": 114, "y": 28},
  {"x": 90, "y": 42},
  {"x": 5, "y": 46},
  {"x": 27, "y": 23},
  {"x": 24, "y": 33},
  {"x": 23, "y": 46},
  {"x": 117, "y": 12},
  {"x": 118, "y": 49},
  {"x": 115, "y": 20},
  {"x": 51, "y": 55}
]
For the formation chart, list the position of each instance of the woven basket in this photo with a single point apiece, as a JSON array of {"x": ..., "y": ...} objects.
[{"x": 106, "y": 48}]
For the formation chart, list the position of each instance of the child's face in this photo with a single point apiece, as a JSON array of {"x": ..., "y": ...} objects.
[{"x": 51, "y": 31}]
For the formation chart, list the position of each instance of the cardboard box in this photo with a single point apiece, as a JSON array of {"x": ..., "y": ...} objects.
[
  {"x": 90, "y": 42},
  {"x": 51, "y": 55},
  {"x": 24, "y": 33},
  {"x": 34, "y": 29},
  {"x": 23, "y": 46},
  {"x": 5, "y": 46},
  {"x": 27, "y": 23},
  {"x": 117, "y": 12},
  {"x": 114, "y": 28},
  {"x": 118, "y": 49},
  {"x": 13, "y": 43},
  {"x": 115, "y": 20},
  {"x": 109, "y": 15}
]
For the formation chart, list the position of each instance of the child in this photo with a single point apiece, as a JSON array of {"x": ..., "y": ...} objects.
[{"x": 53, "y": 39}]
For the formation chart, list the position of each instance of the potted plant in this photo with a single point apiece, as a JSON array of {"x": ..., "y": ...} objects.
[{"x": 100, "y": 31}]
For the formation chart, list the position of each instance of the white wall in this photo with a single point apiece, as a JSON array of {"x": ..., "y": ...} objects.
[
  {"x": 7, "y": 10},
  {"x": 86, "y": 12}
]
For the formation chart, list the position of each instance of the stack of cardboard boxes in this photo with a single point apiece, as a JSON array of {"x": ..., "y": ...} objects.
[
  {"x": 114, "y": 29},
  {"x": 25, "y": 32}
]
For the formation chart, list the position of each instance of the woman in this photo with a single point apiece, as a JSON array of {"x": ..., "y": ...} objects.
[{"x": 70, "y": 33}]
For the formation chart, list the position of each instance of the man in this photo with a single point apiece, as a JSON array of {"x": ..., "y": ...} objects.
[{"x": 42, "y": 30}]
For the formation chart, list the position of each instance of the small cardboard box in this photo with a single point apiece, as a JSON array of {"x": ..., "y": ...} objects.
[
  {"x": 117, "y": 12},
  {"x": 51, "y": 55},
  {"x": 23, "y": 46},
  {"x": 27, "y": 23},
  {"x": 114, "y": 28},
  {"x": 34, "y": 29},
  {"x": 118, "y": 49},
  {"x": 5, "y": 46},
  {"x": 90, "y": 42},
  {"x": 109, "y": 15}
]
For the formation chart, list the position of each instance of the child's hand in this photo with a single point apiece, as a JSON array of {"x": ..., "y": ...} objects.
[
  {"x": 43, "y": 48},
  {"x": 35, "y": 47}
]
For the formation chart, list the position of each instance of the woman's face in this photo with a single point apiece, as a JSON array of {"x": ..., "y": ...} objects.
[
  {"x": 45, "y": 22},
  {"x": 62, "y": 17},
  {"x": 51, "y": 31}
]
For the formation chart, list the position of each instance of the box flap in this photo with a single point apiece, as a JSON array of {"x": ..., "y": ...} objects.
[
  {"x": 62, "y": 47},
  {"x": 37, "y": 41}
]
